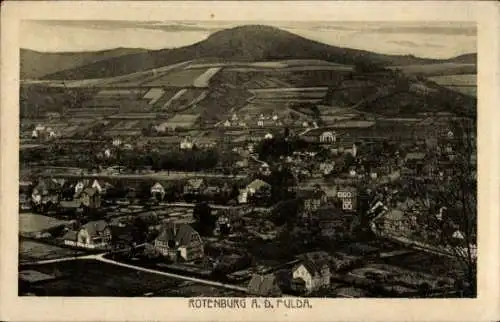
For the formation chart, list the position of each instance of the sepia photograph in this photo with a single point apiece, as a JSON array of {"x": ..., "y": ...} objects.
[{"x": 216, "y": 160}]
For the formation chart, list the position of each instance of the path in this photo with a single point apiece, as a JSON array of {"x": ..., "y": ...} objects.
[{"x": 172, "y": 275}]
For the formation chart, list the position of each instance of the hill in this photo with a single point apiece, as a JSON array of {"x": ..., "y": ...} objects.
[
  {"x": 244, "y": 44},
  {"x": 35, "y": 64}
]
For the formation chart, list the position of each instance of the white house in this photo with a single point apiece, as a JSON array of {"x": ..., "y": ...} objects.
[
  {"x": 268, "y": 136},
  {"x": 186, "y": 144},
  {"x": 256, "y": 185},
  {"x": 227, "y": 123},
  {"x": 243, "y": 196},
  {"x": 107, "y": 153},
  {"x": 157, "y": 190},
  {"x": 234, "y": 117},
  {"x": 40, "y": 128},
  {"x": 328, "y": 137},
  {"x": 80, "y": 185},
  {"x": 305, "y": 124},
  {"x": 34, "y": 134},
  {"x": 275, "y": 117},
  {"x": 96, "y": 185},
  {"x": 52, "y": 134},
  {"x": 260, "y": 123},
  {"x": 117, "y": 142},
  {"x": 311, "y": 275}
]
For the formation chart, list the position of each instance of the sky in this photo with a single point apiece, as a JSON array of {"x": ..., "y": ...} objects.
[{"x": 422, "y": 39}]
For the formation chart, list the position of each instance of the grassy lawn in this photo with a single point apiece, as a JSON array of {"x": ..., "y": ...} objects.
[
  {"x": 29, "y": 222},
  {"x": 32, "y": 251}
]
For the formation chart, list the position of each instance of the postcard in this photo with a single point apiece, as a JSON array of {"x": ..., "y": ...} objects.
[{"x": 249, "y": 160}]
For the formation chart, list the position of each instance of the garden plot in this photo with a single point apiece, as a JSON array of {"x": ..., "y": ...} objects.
[
  {"x": 93, "y": 278},
  {"x": 184, "y": 99},
  {"x": 179, "y": 78},
  {"x": 153, "y": 95},
  {"x": 204, "y": 79}
]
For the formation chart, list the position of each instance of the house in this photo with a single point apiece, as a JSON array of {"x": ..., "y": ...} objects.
[
  {"x": 117, "y": 142},
  {"x": 348, "y": 198},
  {"x": 227, "y": 123},
  {"x": 305, "y": 124},
  {"x": 264, "y": 285},
  {"x": 80, "y": 185},
  {"x": 311, "y": 274},
  {"x": 90, "y": 198},
  {"x": 158, "y": 191},
  {"x": 260, "y": 123},
  {"x": 195, "y": 186},
  {"x": 40, "y": 128},
  {"x": 234, "y": 118},
  {"x": 265, "y": 169},
  {"x": 92, "y": 235},
  {"x": 96, "y": 185},
  {"x": 179, "y": 242},
  {"x": 328, "y": 137},
  {"x": 268, "y": 136},
  {"x": 107, "y": 153},
  {"x": 312, "y": 199},
  {"x": 243, "y": 196},
  {"x": 394, "y": 222},
  {"x": 45, "y": 192},
  {"x": 186, "y": 143},
  {"x": 326, "y": 167},
  {"x": 256, "y": 186},
  {"x": 34, "y": 134}
]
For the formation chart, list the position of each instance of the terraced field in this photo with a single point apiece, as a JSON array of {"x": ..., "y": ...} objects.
[{"x": 466, "y": 84}]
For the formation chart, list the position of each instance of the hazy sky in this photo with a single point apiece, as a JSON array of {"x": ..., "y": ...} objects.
[{"x": 423, "y": 39}]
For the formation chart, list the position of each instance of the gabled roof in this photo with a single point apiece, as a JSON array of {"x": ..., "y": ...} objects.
[
  {"x": 47, "y": 185},
  {"x": 158, "y": 186},
  {"x": 314, "y": 262},
  {"x": 263, "y": 284},
  {"x": 195, "y": 183},
  {"x": 257, "y": 184},
  {"x": 181, "y": 233},
  {"x": 95, "y": 228}
]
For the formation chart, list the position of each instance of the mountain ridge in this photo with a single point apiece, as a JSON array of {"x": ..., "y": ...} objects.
[{"x": 242, "y": 44}]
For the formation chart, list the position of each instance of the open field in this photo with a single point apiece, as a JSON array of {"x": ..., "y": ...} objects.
[
  {"x": 29, "y": 222},
  {"x": 456, "y": 80},
  {"x": 441, "y": 69},
  {"x": 32, "y": 250},
  {"x": 466, "y": 84},
  {"x": 182, "y": 78},
  {"x": 93, "y": 278}
]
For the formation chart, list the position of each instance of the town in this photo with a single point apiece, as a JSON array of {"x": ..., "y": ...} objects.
[{"x": 282, "y": 193}]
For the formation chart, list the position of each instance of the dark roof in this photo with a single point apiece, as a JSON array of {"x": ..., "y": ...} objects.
[
  {"x": 95, "y": 228},
  {"x": 90, "y": 191},
  {"x": 263, "y": 284},
  {"x": 180, "y": 233},
  {"x": 47, "y": 185},
  {"x": 314, "y": 262},
  {"x": 70, "y": 235}
]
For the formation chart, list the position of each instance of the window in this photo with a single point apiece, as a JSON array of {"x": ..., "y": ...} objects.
[{"x": 347, "y": 205}]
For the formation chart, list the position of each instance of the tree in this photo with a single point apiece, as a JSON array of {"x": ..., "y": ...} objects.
[
  {"x": 457, "y": 193},
  {"x": 202, "y": 214}
]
